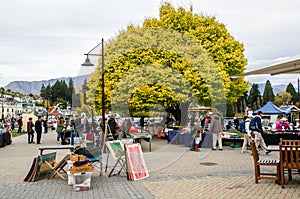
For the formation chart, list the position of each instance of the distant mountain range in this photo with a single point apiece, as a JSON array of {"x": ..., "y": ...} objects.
[
  {"x": 276, "y": 88},
  {"x": 27, "y": 87}
]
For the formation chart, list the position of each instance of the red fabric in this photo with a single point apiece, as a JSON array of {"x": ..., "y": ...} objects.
[
  {"x": 160, "y": 135},
  {"x": 89, "y": 136},
  {"x": 133, "y": 129}
]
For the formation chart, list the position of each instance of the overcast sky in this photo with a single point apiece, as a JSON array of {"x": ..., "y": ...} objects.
[{"x": 46, "y": 39}]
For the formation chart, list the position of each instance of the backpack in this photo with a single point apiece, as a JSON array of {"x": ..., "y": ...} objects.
[
  {"x": 253, "y": 125},
  {"x": 242, "y": 127}
]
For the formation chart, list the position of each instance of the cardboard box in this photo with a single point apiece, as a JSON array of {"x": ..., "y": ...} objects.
[
  {"x": 82, "y": 168},
  {"x": 77, "y": 157},
  {"x": 82, "y": 181}
]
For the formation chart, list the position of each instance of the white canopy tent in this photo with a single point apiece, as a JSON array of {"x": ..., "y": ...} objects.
[{"x": 290, "y": 66}]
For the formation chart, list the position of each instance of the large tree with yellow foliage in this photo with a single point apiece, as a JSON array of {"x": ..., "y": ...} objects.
[{"x": 171, "y": 61}]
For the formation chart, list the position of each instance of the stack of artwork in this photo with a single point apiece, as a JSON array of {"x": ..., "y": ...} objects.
[
  {"x": 128, "y": 155},
  {"x": 39, "y": 168}
]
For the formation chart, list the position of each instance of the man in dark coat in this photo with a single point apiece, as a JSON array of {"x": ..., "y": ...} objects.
[
  {"x": 112, "y": 127},
  {"x": 20, "y": 124},
  {"x": 38, "y": 128}
]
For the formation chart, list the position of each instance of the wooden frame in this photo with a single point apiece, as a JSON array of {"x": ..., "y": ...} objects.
[
  {"x": 258, "y": 162},
  {"x": 135, "y": 162},
  {"x": 40, "y": 167},
  {"x": 116, "y": 148},
  {"x": 289, "y": 157},
  {"x": 57, "y": 168}
]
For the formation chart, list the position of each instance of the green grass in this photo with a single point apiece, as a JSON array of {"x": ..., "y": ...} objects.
[{"x": 15, "y": 134}]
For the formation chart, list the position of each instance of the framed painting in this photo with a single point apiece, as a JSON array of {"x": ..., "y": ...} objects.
[
  {"x": 116, "y": 148},
  {"x": 135, "y": 162}
]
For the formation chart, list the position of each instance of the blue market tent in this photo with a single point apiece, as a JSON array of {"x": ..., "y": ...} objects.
[{"x": 271, "y": 109}]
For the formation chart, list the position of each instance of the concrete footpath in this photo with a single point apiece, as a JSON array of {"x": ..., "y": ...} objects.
[{"x": 175, "y": 172}]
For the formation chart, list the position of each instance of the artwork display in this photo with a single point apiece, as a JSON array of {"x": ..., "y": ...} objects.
[
  {"x": 39, "y": 169},
  {"x": 135, "y": 162},
  {"x": 116, "y": 148}
]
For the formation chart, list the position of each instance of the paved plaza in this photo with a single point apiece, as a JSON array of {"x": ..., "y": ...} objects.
[{"x": 175, "y": 172}]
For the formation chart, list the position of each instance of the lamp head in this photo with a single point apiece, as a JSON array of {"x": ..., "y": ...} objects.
[{"x": 87, "y": 62}]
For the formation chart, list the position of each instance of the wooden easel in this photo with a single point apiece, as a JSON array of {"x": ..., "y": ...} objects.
[
  {"x": 59, "y": 167},
  {"x": 120, "y": 161}
]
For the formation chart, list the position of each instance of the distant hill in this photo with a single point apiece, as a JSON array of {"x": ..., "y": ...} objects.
[
  {"x": 27, "y": 87},
  {"x": 276, "y": 88}
]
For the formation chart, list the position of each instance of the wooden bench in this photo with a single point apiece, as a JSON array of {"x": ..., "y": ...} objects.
[
  {"x": 289, "y": 157},
  {"x": 56, "y": 147}
]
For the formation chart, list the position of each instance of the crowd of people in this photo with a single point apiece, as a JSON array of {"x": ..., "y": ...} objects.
[
  {"x": 213, "y": 123},
  {"x": 252, "y": 129}
]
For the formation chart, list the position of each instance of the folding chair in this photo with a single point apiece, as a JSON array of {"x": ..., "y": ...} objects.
[{"x": 57, "y": 168}]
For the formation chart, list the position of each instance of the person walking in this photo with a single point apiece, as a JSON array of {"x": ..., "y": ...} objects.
[
  {"x": 30, "y": 131},
  {"x": 112, "y": 127},
  {"x": 193, "y": 132},
  {"x": 256, "y": 127},
  {"x": 20, "y": 124},
  {"x": 45, "y": 124},
  {"x": 12, "y": 123},
  {"x": 38, "y": 129},
  {"x": 60, "y": 127},
  {"x": 216, "y": 129},
  {"x": 247, "y": 133},
  {"x": 196, "y": 135}
]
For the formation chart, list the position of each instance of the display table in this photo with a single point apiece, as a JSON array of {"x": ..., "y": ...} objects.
[
  {"x": 274, "y": 137},
  {"x": 5, "y": 139},
  {"x": 145, "y": 136},
  {"x": 186, "y": 139},
  {"x": 207, "y": 140},
  {"x": 182, "y": 138},
  {"x": 172, "y": 134}
]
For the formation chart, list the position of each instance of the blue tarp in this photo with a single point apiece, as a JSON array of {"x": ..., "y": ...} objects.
[{"x": 271, "y": 109}]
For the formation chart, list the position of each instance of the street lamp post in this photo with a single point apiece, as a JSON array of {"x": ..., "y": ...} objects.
[{"x": 88, "y": 63}]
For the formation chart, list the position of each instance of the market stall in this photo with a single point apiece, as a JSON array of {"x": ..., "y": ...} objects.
[
  {"x": 5, "y": 136},
  {"x": 273, "y": 138},
  {"x": 185, "y": 138}
]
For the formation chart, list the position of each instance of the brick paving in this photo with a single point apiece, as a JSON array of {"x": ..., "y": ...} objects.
[
  {"x": 231, "y": 177},
  {"x": 175, "y": 172}
]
